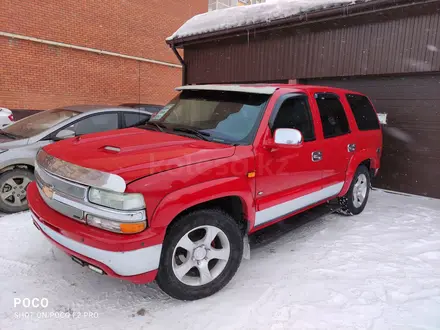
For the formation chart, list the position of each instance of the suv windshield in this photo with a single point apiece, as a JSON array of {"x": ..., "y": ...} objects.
[
  {"x": 38, "y": 123},
  {"x": 227, "y": 117}
]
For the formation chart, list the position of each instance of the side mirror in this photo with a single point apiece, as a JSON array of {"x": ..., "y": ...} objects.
[
  {"x": 286, "y": 137},
  {"x": 64, "y": 134}
]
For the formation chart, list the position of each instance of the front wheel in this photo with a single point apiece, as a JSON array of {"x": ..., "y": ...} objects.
[
  {"x": 354, "y": 201},
  {"x": 13, "y": 186},
  {"x": 201, "y": 253}
]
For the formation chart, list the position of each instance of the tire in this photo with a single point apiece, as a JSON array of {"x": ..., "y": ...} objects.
[
  {"x": 188, "y": 282},
  {"x": 354, "y": 201},
  {"x": 13, "y": 186}
]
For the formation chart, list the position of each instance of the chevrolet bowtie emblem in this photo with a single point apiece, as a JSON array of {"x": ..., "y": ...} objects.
[{"x": 48, "y": 191}]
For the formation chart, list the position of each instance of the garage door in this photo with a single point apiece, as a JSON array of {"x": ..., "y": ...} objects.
[{"x": 411, "y": 153}]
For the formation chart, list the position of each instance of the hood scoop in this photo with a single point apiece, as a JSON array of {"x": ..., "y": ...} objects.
[{"x": 112, "y": 149}]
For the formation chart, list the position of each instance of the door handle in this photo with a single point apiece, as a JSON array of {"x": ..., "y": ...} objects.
[
  {"x": 316, "y": 156},
  {"x": 351, "y": 147}
]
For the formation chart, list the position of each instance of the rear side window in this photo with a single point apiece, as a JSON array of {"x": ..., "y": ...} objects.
[
  {"x": 333, "y": 117},
  {"x": 134, "y": 119},
  {"x": 366, "y": 118}
]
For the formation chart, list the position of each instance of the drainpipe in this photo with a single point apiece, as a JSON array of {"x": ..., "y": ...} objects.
[{"x": 181, "y": 62}]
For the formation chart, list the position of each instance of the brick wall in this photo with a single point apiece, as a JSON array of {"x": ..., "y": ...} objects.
[{"x": 39, "y": 76}]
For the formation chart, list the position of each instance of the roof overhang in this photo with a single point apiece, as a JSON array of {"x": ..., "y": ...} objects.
[{"x": 342, "y": 10}]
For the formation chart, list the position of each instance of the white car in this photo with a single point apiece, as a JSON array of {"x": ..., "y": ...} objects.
[{"x": 6, "y": 117}]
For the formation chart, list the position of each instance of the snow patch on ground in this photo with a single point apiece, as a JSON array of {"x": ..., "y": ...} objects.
[
  {"x": 233, "y": 17},
  {"x": 378, "y": 270}
]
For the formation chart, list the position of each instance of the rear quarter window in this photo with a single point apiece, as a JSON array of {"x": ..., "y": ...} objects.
[{"x": 366, "y": 118}]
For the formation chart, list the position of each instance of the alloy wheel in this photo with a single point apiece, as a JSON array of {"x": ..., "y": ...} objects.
[
  {"x": 201, "y": 255},
  {"x": 13, "y": 191},
  {"x": 360, "y": 190}
]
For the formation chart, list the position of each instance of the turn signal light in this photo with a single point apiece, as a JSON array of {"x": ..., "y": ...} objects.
[{"x": 131, "y": 228}]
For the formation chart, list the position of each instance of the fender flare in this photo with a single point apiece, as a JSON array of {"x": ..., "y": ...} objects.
[
  {"x": 354, "y": 163},
  {"x": 178, "y": 201}
]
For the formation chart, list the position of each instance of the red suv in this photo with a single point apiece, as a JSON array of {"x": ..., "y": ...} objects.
[{"x": 174, "y": 199}]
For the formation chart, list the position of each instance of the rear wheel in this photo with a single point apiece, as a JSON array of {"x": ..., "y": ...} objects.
[
  {"x": 357, "y": 196},
  {"x": 13, "y": 185},
  {"x": 201, "y": 253}
]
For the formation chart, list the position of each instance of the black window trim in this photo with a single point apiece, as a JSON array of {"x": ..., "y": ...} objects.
[
  {"x": 316, "y": 95},
  {"x": 278, "y": 105}
]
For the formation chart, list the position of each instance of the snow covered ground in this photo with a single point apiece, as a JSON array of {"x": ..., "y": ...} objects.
[{"x": 379, "y": 270}]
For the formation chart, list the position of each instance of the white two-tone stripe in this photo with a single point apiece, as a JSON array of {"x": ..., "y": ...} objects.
[
  {"x": 296, "y": 204},
  {"x": 124, "y": 263}
]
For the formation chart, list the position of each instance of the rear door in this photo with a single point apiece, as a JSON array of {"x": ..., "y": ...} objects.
[
  {"x": 369, "y": 134},
  {"x": 338, "y": 141}
]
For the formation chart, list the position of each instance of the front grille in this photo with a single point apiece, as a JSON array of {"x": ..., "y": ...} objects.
[
  {"x": 62, "y": 188},
  {"x": 67, "y": 194},
  {"x": 68, "y": 188},
  {"x": 67, "y": 210}
]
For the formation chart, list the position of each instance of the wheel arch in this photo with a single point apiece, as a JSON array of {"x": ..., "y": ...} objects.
[
  {"x": 362, "y": 158},
  {"x": 232, "y": 195},
  {"x": 22, "y": 166},
  {"x": 233, "y": 205}
]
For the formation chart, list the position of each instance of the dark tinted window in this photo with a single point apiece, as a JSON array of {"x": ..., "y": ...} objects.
[
  {"x": 366, "y": 118},
  {"x": 133, "y": 119},
  {"x": 295, "y": 113},
  {"x": 96, "y": 123},
  {"x": 333, "y": 117}
]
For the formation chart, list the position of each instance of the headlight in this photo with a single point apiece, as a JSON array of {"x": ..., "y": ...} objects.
[
  {"x": 115, "y": 200},
  {"x": 3, "y": 150}
]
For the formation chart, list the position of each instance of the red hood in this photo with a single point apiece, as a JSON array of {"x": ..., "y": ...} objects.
[{"x": 141, "y": 152}]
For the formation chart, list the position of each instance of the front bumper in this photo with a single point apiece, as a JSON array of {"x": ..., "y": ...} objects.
[{"x": 121, "y": 256}]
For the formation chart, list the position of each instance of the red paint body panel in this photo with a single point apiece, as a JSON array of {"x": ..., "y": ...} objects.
[
  {"x": 168, "y": 193},
  {"x": 142, "y": 152},
  {"x": 175, "y": 173}
]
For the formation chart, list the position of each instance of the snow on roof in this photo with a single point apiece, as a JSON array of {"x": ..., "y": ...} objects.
[
  {"x": 231, "y": 88},
  {"x": 234, "y": 17}
]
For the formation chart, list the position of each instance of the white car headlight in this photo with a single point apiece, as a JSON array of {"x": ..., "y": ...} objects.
[{"x": 115, "y": 200}]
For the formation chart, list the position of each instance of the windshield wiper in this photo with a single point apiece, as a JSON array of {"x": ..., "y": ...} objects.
[
  {"x": 159, "y": 126},
  {"x": 201, "y": 135},
  {"x": 9, "y": 135}
]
